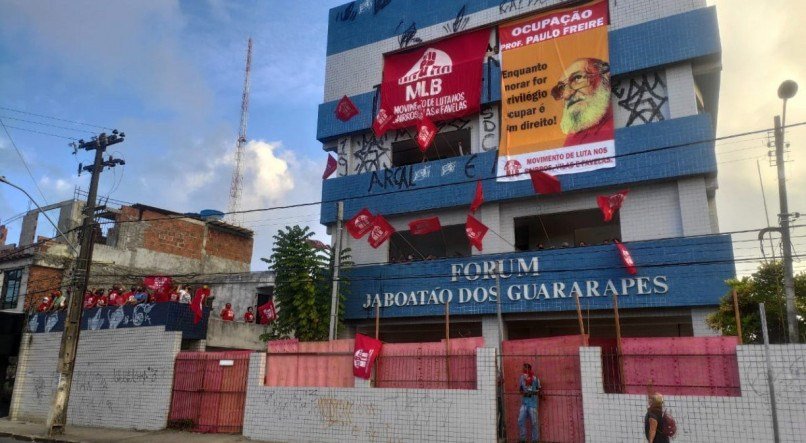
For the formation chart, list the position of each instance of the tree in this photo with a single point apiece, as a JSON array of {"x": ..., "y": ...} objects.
[
  {"x": 766, "y": 285},
  {"x": 302, "y": 285}
]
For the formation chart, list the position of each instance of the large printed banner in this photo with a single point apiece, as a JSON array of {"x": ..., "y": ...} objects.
[
  {"x": 555, "y": 93},
  {"x": 439, "y": 81}
]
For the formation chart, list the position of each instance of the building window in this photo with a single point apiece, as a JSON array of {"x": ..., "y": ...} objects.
[
  {"x": 11, "y": 289},
  {"x": 264, "y": 294},
  {"x": 445, "y": 145},
  {"x": 564, "y": 230},
  {"x": 450, "y": 241}
]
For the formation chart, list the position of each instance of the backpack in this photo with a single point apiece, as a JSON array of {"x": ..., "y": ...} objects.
[{"x": 669, "y": 427}]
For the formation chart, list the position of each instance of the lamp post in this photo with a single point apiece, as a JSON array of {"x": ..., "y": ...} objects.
[
  {"x": 3, "y": 179},
  {"x": 786, "y": 90}
]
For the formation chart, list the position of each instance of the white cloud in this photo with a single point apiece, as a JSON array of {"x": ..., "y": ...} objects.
[{"x": 267, "y": 178}]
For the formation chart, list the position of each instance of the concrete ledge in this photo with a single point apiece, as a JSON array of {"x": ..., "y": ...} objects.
[{"x": 235, "y": 335}]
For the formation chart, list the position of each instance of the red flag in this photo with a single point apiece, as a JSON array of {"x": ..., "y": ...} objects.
[
  {"x": 544, "y": 183},
  {"x": 196, "y": 307},
  {"x": 478, "y": 199},
  {"x": 426, "y": 131},
  {"x": 345, "y": 109},
  {"x": 424, "y": 226},
  {"x": 610, "y": 204},
  {"x": 475, "y": 231},
  {"x": 267, "y": 312},
  {"x": 626, "y": 258},
  {"x": 360, "y": 224},
  {"x": 366, "y": 351},
  {"x": 381, "y": 122},
  {"x": 330, "y": 168},
  {"x": 159, "y": 286},
  {"x": 381, "y": 231}
]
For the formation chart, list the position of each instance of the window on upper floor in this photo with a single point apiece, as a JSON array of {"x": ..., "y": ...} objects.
[
  {"x": 11, "y": 289},
  {"x": 446, "y": 144},
  {"x": 450, "y": 241},
  {"x": 565, "y": 230}
]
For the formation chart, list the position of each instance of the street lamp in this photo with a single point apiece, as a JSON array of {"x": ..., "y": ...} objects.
[
  {"x": 3, "y": 179},
  {"x": 786, "y": 90}
]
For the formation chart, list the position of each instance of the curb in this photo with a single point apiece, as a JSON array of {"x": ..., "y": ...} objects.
[{"x": 35, "y": 438}]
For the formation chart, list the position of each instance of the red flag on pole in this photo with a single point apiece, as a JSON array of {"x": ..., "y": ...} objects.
[
  {"x": 267, "y": 312},
  {"x": 478, "y": 198},
  {"x": 426, "y": 131},
  {"x": 366, "y": 351},
  {"x": 475, "y": 231},
  {"x": 159, "y": 286},
  {"x": 544, "y": 183},
  {"x": 197, "y": 303},
  {"x": 330, "y": 168},
  {"x": 610, "y": 204},
  {"x": 626, "y": 258},
  {"x": 424, "y": 226},
  {"x": 381, "y": 122},
  {"x": 346, "y": 109},
  {"x": 360, "y": 224},
  {"x": 380, "y": 232}
]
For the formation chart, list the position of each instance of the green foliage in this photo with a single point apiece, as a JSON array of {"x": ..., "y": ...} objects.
[
  {"x": 766, "y": 286},
  {"x": 302, "y": 286}
]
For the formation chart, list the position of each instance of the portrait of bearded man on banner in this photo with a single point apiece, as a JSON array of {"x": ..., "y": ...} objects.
[{"x": 585, "y": 88}]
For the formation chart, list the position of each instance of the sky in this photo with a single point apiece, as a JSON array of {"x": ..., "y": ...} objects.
[{"x": 170, "y": 74}]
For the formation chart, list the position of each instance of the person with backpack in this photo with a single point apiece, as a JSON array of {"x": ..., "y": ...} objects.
[{"x": 659, "y": 426}]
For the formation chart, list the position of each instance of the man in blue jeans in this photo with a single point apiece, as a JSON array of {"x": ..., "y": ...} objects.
[{"x": 529, "y": 386}]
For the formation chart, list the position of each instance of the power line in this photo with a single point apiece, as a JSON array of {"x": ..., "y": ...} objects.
[
  {"x": 42, "y": 133},
  {"x": 22, "y": 159},
  {"x": 54, "y": 118},
  {"x": 45, "y": 124}
]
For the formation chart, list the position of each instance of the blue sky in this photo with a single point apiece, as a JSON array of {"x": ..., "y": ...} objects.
[{"x": 170, "y": 75}]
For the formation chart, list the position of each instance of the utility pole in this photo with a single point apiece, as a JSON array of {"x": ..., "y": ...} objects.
[
  {"x": 783, "y": 220},
  {"x": 334, "y": 300},
  {"x": 57, "y": 419}
]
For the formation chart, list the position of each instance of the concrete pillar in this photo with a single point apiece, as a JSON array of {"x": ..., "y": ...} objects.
[
  {"x": 490, "y": 215},
  {"x": 701, "y": 329},
  {"x": 695, "y": 214},
  {"x": 489, "y": 330},
  {"x": 682, "y": 91},
  {"x": 28, "y": 231}
]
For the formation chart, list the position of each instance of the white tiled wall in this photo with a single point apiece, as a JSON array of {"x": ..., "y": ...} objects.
[
  {"x": 123, "y": 378},
  {"x": 619, "y": 417},
  {"x": 371, "y": 414}
]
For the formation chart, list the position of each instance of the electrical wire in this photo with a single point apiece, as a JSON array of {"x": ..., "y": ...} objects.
[{"x": 22, "y": 159}]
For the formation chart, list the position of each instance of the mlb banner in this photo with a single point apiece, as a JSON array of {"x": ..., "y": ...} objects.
[
  {"x": 159, "y": 286},
  {"x": 440, "y": 81},
  {"x": 364, "y": 355},
  {"x": 556, "y": 114},
  {"x": 359, "y": 225}
]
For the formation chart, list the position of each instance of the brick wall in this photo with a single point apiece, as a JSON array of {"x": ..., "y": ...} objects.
[
  {"x": 181, "y": 237},
  {"x": 41, "y": 282},
  {"x": 619, "y": 417},
  {"x": 123, "y": 378},
  {"x": 221, "y": 243},
  {"x": 371, "y": 414}
]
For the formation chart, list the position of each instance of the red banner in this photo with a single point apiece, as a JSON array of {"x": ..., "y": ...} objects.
[
  {"x": 424, "y": 226},
  {"x": 544, "y": 183},
  {"x": 160, "y": 287},
  {"x": 359, "y": 225},
  {"x": 364, "y": 355},
  {"x": 267, "y": 312},
  {"x": 626, "y": 258},
  {"x": 381, "y": 231},
  {"x": 475, "y": 231},
  {"x": 610, "y": 204},
  {"x": 439, "y": 81},
  {"x": 345, "y": 109},
  {"x": 478, "y": 198}
]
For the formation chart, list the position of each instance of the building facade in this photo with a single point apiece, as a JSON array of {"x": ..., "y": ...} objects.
[{"x": 542, "y": 253}]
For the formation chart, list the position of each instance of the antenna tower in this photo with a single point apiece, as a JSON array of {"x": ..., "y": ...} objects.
[{"x": 236, "y": 187}]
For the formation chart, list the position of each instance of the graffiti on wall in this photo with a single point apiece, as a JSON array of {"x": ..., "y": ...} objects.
[
  {"x": 343, "y": 152},
  {"x": 516, "y": 6},
  {"x": 488, "y": 128},
  {"x": 408, "y": 36},
  {"x": 644, "y": 98},
  {"x": 459, "y": 23}
]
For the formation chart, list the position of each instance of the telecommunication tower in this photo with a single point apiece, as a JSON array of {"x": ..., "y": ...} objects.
[{"x": 236, "y": 187}]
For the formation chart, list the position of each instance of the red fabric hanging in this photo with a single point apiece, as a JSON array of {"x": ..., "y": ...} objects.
[
  {"x": 359, "y": 225},
  {"x": 330, "y": 168},
  {"x": 610, "y": 204},
  {"x": 366, "y": 351},
  {"x": 478, "y": 198},
  {"x": 544, "y": 183},
  {"x": 346, "y": 109},
  {"x": 626, "y": 258},
  {"x": 475, "y": 231},
  {"x": 426, "y": 131},
  {"x": 381, "y": 231},
  {"x": 424, "y": 226}
]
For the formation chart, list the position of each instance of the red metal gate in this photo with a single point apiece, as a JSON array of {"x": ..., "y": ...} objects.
[
  {"x": 209, "y": 391},
  {"x": 555, "y": 361}
]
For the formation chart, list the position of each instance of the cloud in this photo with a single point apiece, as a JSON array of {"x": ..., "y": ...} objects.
[{"x": 266, "y": 175}]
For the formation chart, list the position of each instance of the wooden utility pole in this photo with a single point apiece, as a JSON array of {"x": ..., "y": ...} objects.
[
  {"x": 618, "y": 340},
  {"x": 334, "y": 299},
  {"x": 579, "y": 319},
  {"x": 448, "y": 343},
  {"x": 57, "y": 419},
  {"x": 738, "y": 316}
]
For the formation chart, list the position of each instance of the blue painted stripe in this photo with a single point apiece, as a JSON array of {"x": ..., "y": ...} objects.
[
  {"x": 437, "y": 189},
  {"x": 693, "y": 269},
  {"x": 669, "y": 40}
]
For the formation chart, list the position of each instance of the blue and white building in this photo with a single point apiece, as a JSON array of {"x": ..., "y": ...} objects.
[{"x": 665, "y": 61}]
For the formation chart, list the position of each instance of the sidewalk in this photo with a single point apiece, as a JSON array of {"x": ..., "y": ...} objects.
[{"x": 36, "y": 432}]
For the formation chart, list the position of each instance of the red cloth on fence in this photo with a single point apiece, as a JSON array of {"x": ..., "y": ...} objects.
[{"x": 364, "y": 355}]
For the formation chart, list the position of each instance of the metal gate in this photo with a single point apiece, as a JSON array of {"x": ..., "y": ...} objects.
[
  {"x": 209, "y": 391},
  {"x": 555, "y": 361}
]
